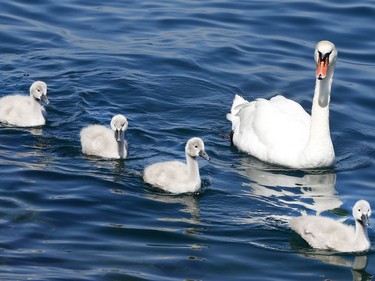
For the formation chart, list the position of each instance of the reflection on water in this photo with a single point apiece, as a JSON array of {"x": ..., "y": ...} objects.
[
  {"x": 190, "y": 205},
  {"x": 299, "y": 190},
  {"x": 33, "y": 153},
  {"x": 36, "y": 131},
  {"x": 358, "y": 265},
  {"x": 314, "y": 191},
  {"x": 106, "y": 169},
  {"x": 358, "y": 269}
]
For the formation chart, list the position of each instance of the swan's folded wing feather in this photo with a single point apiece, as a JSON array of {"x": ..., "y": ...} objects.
[
  {"x": 321, "y": 232},
  {"x": 21, "y": 110},
  {"x": 99, "y": 140},
  {"x": 165, "y": 173},
  {"x": 292, "y": 108},
  {"x": 273, "y": 125}
]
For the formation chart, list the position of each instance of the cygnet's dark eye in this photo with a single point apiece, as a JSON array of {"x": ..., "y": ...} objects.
[
  {"x": 196, "y": 146},
  {"x": 359, "y": 210}
]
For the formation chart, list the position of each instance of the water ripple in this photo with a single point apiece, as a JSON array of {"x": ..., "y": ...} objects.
[{"x": 173, "y": 67}]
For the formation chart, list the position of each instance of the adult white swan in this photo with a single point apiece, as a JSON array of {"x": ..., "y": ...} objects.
[
  {"x": 328, "y": 234},
  {"x": 104, "y": 142},
  {"x": 25, "y": 111},
  {"x": 280, "y": 131},
  {"x": 175, "y": 176}
]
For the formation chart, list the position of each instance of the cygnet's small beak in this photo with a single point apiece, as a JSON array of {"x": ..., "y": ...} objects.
[
  {"x": 118, "y": 135},
  {"x": 203, "y": 154},
  {"x": 45, "y": 99},
  {"x": 365, "y": 221}
]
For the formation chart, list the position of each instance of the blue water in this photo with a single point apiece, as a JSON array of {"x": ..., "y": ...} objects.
[{"x": 173, "y": 67}]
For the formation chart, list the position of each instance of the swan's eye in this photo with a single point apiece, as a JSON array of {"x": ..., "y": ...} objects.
[
  {"x": 359, "y": 210},
  {"x": 196, "y": 146}
]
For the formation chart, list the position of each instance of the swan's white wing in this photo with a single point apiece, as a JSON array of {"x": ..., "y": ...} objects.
[
  {"x": 18, "y": 110},
  {"x": 278, "y": 122},
  {"x": 270, "y": 129},
  {"x": 291, "y": 108},
  {"x": 323, "y": 233},
  {"x": 100, "y": 141},
  {"x": 166, "y": 175}
]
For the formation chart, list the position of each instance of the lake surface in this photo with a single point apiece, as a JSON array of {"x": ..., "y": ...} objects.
[{"x": 173, "y": 67}]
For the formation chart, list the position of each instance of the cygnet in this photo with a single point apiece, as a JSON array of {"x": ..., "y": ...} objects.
[
  {"x": 177, "y": 177},
  {"x": 327, "y": 234},
  {"x": 104, "y": 142},
  {"x": 25, "y": 111}
]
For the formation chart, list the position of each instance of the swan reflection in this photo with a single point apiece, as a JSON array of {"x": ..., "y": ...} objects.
[
  {"x": 109, "y": 170},
  {"x": 190, "y": 205},
  {"x": 314, "y": 191},
  {"x": 358, "y": 265}
]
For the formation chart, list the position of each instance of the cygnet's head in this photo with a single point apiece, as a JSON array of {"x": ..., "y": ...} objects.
[
  {"x": 195, "y": 147},
  {"x": 325, "y": 56},
  {"x": 119, "y": 124},
  {"x": 361, "y": 212},
  {"x": 38, "y": 90}
]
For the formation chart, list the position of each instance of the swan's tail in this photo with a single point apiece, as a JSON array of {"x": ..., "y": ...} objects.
[{"x": 237, "y": 105}]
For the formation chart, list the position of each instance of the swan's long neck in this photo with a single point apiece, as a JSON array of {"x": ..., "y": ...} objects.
[
  {"x": 193, "y": 168},
  {"x": 320, "y": 142},
  {"x": 122, "y": 146},
  {"x": 35, "y": 104},
  {"x": 360, "y": 233}
]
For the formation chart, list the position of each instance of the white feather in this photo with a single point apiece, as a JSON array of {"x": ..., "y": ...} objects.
[
  {"x": 328, "y": 234},
  {"x": 177, "y": 177},
  {"x": 101, "y": 141},
  {"x": 25, "y": 111}
]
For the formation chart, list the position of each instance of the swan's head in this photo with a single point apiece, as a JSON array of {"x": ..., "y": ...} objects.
[
  {"x": 119, "y": 124},
  {"x": 38, "y": 90},
  {"x": 195, "y": 147},
  {"x": 361, "y": 212},
  {"x": 325, "y": 56}
]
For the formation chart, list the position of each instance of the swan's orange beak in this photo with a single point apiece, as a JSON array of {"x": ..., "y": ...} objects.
[{"x": 321, "y": 69}]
